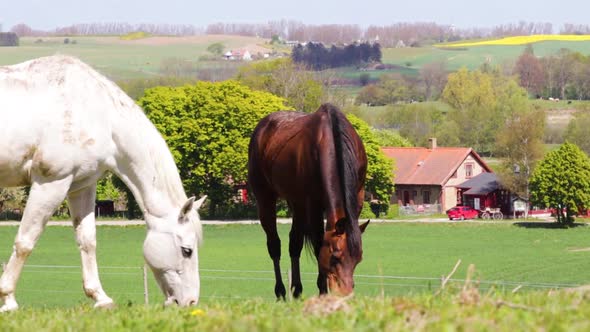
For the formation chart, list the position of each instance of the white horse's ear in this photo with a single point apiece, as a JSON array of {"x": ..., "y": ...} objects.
[
  {"x": 187, "y": 207},
  {"x": 198, "y": 203}
]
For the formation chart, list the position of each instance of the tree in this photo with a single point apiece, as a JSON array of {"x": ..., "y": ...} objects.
[
  {"x": 433, "y": 77},
  {"x": 562, "y": 181},
  {"x": 286, "y": 79},
  {"x": 578, "y": 131},
  {"x": 207, "y": 127},
  {"x": 12, "y": 198},
  {"x": 482, "y": 102},
  {"x": 390, "y": 137},
  {"x": 530, "y": 72},
  {"x": 417, "y": 122},
  {"x": 379, "y": 169},
  {"x": 216, "y": 49},
  {"x": 520, "y": 144}
]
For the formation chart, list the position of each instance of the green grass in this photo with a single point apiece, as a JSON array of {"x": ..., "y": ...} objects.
[
  {"x": 52, "y": 299},
  {"x": 473, "y": 57},
  {"x": 235, "y": 264},
  {"x": 451, "y": 311},
  {"x": 116, "y": 58}
]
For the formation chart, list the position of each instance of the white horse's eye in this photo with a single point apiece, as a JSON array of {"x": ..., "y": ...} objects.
[{"x": 186, "y": 252}]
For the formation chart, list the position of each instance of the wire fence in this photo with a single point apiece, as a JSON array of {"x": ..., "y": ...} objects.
[{"x": 137, "y": 278}]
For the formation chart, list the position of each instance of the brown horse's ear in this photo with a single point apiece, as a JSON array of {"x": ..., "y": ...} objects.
[{"x": 364, "y": 226}]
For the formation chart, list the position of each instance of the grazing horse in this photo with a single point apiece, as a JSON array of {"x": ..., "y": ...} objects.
[
  {"x": 62, "y": 125},
  {"x": 318, "y": 164}
]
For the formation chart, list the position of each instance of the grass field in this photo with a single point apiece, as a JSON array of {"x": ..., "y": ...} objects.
[
  {"x": 453, "y": 310},
  {"x": 473, "y": 57},
  {"x": 140, "y": 58},
  {"x": 397, "y": 282},
  {"x": 399, "y": 259},
  {"x": 126, "y": 59}
]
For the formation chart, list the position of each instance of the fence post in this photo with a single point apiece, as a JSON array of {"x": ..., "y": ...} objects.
[{"x": 146, "y": 296}]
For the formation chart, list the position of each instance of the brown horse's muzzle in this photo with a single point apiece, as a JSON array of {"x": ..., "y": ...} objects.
[{"x": 340, "y": 286}]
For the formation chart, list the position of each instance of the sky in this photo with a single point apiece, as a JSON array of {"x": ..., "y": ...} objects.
[{"x": 50, "y": 14}]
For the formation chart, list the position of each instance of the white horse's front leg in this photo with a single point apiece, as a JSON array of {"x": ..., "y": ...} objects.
[
  {"x": 44, "y": 198},
  {"x": 82, "y": 211}
]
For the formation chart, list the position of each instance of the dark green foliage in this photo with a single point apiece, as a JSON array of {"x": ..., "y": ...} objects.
[
  {"x": 562, "y": 181},
  {"x": 207, "y": 127},
  {"x": 318, "y": 57},
  {"x": 9, "y": 39},
  {"x": 380, "y": 169}
]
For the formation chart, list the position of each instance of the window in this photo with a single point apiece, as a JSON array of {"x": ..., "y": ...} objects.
[
  {"x": 426, "y": 197},
  {"x": 468, "y": 170}
]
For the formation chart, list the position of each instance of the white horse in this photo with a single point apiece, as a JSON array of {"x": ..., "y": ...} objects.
[{"x": 62, "y": 125}]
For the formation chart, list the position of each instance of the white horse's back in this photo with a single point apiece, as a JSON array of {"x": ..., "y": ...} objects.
[{"x": 57, "y": 118}]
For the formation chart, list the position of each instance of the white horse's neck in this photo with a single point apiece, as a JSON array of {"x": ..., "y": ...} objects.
[
  {"x": 143, "y": 160},
  {"x": 146, "y": 166},
  {"x": 145, "y": 163}
]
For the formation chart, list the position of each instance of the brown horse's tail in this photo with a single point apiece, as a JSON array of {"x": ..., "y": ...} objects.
[{"x": 347, "y": 147}]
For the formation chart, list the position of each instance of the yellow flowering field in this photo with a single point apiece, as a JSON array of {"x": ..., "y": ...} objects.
[{"x": 519, "y": 40}]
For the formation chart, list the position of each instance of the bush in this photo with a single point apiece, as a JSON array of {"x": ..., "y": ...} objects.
[
  {"x": 392, "y": 212},
  {"x": 367, "y": 213}
]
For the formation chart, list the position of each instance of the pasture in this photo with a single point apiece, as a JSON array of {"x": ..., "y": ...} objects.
[
  {"x": 121, "y": 59},
  {"x": 399, "y": 259},
  {"x": 395, "y": 284},
  {"x": 474, "y": 56},
  {"x": 128, "y": 59}
]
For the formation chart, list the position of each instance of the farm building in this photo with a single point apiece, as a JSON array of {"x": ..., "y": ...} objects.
[
  {"x": 426, "y": 179},
  {"x": 8, "y": 39},
  {"x": 484, "y": 191}
]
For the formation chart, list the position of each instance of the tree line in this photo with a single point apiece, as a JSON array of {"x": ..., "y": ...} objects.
[
  {"x": 410, "y": 33},
  {"x": 316, "y": 56},
  {"x": 565, "y": 75}
]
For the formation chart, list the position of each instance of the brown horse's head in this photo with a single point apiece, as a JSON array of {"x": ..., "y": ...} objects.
[{"x": 336, "y": 261}]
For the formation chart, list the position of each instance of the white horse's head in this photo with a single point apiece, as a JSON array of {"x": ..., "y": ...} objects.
[{"x": 171, "y": 251}]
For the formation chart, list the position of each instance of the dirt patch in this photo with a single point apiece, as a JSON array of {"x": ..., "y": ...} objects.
[
  {"x": 578, "y": 249},
  {"x": 252, "y": 44},
  {"x": 560, "y": 117}
]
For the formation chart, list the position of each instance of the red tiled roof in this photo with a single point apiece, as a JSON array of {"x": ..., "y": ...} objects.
[{"x": 428, "y": 166}]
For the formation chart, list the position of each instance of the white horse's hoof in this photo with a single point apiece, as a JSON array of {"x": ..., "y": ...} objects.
[
  {"x": 105, "y": 304},
  {"x": 9, "y": 306}
]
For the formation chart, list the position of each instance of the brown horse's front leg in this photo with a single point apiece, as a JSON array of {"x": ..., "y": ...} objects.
[
  {"x": 322, "y": 283},
  {"x": 295, "y": 247},
  {"x": 268, "y": 220},
  {"x": 280, "y": 290}
]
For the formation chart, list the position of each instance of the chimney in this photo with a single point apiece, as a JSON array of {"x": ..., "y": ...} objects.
[{"x": 432, "y": 141}]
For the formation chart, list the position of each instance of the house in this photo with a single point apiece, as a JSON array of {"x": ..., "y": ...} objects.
[
  {"x": 238, "y": 55},
  {"x": 427, "y": 178},
  {"x": 484, "y": 191}
]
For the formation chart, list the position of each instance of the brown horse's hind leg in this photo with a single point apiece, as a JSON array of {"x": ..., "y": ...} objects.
[
  {"x": 267, "y": 212},
  {"x": 295, "y": 247}
]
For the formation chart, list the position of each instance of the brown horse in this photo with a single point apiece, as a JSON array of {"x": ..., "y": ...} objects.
[{"x": 318, "y": 164}]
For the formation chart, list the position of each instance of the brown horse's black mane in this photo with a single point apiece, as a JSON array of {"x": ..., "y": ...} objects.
[{"x": 348, "y": 174}]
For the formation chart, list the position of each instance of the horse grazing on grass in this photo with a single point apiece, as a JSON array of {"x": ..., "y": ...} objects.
[
  {"x": 62, "y": 126},
  {"x": 318, "y": 164}
]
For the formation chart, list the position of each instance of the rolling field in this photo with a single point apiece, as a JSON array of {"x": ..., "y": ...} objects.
[
  {"x": 399, "y": 259},
  {"x": 126, "y": 59},
  {"x": 474, "y": 56},
  {"x": 141, "y": 58}
]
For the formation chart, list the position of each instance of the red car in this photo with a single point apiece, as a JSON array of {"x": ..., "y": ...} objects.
[{"x": 462, "y": 212}]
